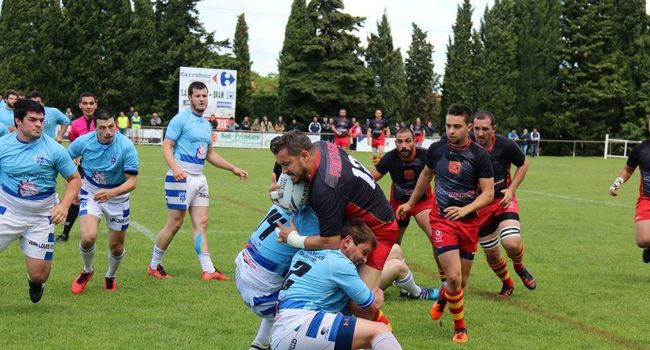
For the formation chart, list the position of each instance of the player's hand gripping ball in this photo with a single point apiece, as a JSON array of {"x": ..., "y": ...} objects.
[{"x": 290, "y": 197}]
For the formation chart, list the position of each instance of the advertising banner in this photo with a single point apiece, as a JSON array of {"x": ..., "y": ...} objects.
[{"x": 222, "y": 90}]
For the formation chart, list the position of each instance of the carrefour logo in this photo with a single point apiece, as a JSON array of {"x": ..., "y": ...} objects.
[{"x": 226, "y": 79}]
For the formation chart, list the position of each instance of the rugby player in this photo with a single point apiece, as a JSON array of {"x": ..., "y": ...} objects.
[
  {"x": 378, "y": 130},
  {"x": 341, "y": 129},
  {"x": 499, "y": 221},
  {"x": 29, "y": 165},
  {"x": 53, "y": 117},
  {"x": 463, "y": 184},
  {"x": 7, "y": 111},
  {"x": 396, "y": 272},
  {"x": 110, "y": 168},
  {"x": 186, "y": 148},
  {"x": 418, "y": 132}
]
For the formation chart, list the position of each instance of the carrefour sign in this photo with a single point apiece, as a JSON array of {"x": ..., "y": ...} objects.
[{"x": 222, "y": 89}]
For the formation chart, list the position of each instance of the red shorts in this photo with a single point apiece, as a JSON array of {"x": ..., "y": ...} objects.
[
  {"x": 376, "y": 142},
  {"x": 386, "y": 234},
  {"x": 493, "y": 214},
  {"x": 343, "y": 141},
  {"x": 642, "y": 209},
  {"x": 418, "y": 139},
  {"x": 450, "y": 235},
  {"x": 421, "y": 205}
]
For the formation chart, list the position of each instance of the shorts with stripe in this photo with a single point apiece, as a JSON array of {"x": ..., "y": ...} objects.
[
  {"x": 307, "y": 330},
  {"x": 257, "y": 286},
  {"x": 190, "y": 192},
  {"x": 494, "y": 214},
  {"x": 116, "y": 212},
  {"x": 34, "y": 232},
  {"x": 451, "y": 235}
]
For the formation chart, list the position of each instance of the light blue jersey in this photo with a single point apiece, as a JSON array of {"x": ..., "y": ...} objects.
[
  {"x": 28, "y": 172},
  {"x": 3, "y": 130},
  {"x": 192, "y": 135},
  {"x": 263, "y": 246},
  {"x": 7, "y": 117},
  {"x": 104, "y": 165},
  {"x": 323, "y": 280},
  {"x": 53, "y": 117}
]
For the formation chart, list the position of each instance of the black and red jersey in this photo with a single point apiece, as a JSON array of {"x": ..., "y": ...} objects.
[
  {"x": 343, "y": 126},
  {"x": 404, "y": 173},
  {"x": 457, "y": 173},
  {"x": 341, "y": 188},
  {"x": 418, "y": 130},
  {"x": 378, "y": 128},
  {"x": 640, "y": 157},
  {"x": 503, "y": 153}
]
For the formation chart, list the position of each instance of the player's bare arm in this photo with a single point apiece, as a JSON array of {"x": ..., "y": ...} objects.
[
  {"x": 61, "y": 134},
  {"x": 517, "y": 179},
  {"x": 129, "y": 185},
  {"x": 168, "y": 155},
  {"x": 376, "y": 175},
  {"x": 215, "y": 159},
  {"x": 60, "y": 211},
  {"x": 290, "y": 235},
  {"x": 423, "y": 182},
  {"x": 486, "y": 188},
  {"x": 625, "y": 174},
  {"x": 333, "y": 129}
]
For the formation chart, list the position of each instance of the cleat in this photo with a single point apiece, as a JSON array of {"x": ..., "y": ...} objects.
[
  {"x": 425, "y": 294},
  {"x": 460, "y": 336},
  {"x": 527, "y": 278},
  {"x": 437, "y": 310},
  {"x": 79, "y": 283},
  {"x": 646, "y": 255},
  {"x": 258, "y": 346},
  {"x": 216, "y": 275},
  {"x": 35, "y": 291},
  {"x": 61, "y": 239},
  {"x": 159, "y": 272},
  {"x": 505, "y": 292},
  {"x": 110, "y": 284}
]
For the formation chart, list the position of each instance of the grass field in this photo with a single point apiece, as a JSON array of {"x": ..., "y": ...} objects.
[{"x": 592, "y": 286}]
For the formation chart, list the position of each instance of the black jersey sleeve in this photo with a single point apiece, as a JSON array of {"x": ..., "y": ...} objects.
[
  {"x": 484, "y": 165},
  {"x": 277, "y": 170},
  {"x": 331, "y": 211},
  {"x": 633, "y": 159},
  {"x": 515, "y": 155},
  {"x": 384, "y": 164}
]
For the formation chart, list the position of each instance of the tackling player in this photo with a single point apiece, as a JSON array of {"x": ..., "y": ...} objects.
[
  {"x": 463, "y": 183},
  {"x": 53, "y": 117},
  {"x": 396, "y": 272},
  {"x": 378, "y": 130},
  {"x": 110, "y": 168},
  {"x": 186, "y": 148},
  {"x": 319, "y": 286},
  {"x": 29, "y": 164},
  {"x": 640, "y": 157},
  {"x": 341, "y": 129}
]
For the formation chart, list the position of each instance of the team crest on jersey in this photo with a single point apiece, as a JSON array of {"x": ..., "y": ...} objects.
[
  {"x": 454, "y": 167},
  {"x": 202, "y": 151},
  {"x": 437, "y": 235},
  {"x": 27, "y": 188},
  {"x": 409, "y": 175},
  {"x": 99, "y": 177},
  {"x": 181, "y": 196},
  {"x": 41, "y": 159},
  {"x": 113, "y": 158}
]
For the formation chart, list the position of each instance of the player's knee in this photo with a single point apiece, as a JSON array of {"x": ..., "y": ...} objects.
[
  {"x": 117, "y": 248},
  {"x": 643, "y": 241},
  {"x": 492, "y": 255},
  {"x": 509, "y": 233},
  {"x": 174, "y": 225},
  {"x": 39, "y": 276},
  {"x": 400, "y": 267},
  {"x": 87, "y": 242}
]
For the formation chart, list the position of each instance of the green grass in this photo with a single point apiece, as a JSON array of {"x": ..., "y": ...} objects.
[{"x": 592, "y": 287}]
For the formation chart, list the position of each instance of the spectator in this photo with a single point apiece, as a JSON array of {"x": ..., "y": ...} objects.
[
  {"x": 395, "y": 129},
  {"x": 428, "y": 129},
  {"x": 512, "y": 135},
  {"x": 68, "y": 113},
  {"x": 266, "y": 125},
  {"x": 294, "y": 125},
  {"x": 325, "y": 127},
  {"x": 131, "y": 111},
  {"x": 525, "y": 140},
  {"x": 122, "y": 123},
  {"x": 279, "y": 124},
  {"x": 534, "y": 142},
  {"x": 245, "y": 124},
  {"x": 155, "y": 119},
  {"x": 355, "y": 133},
  {"x": 213, "y": 121},
  {"x": 256, "y": 125},
  {"x": 314, "y": 126},
  {"x": 136, "y": 127},
  {"x": 232, "y": 124}
]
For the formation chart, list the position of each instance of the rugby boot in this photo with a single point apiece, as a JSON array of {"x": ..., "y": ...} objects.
[
  {"x": 216, "y": 275},
  {"x": 61, "y": 239},
  {"x": 79, "y": 283},
  {"x": 527, "y": 278},
  {"x": 159, "y": 272},
  {"x": 505, "y": 292},
  {"x": 110, "y": 284},
  {"x": 646, "y": 255},
  {"x": 35, "y": 291},
  {"x": 437, "y": 310},
  {"x": 425, "y": 294},
  {"x": 258, "y": 346},
  {"x": 460, "y": 336}
]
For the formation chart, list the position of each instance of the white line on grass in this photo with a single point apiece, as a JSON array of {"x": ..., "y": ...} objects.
[
  {"x": 578, "y": 199},
  {"x": 144, "y": 230}
]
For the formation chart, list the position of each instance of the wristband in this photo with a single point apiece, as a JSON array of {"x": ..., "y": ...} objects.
[
  {"x": 295, "y": 240},
  {"x": 617, "y": 183}
]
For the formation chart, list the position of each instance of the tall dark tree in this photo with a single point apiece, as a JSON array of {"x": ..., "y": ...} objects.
[
  {"x": 387, "y": 68},
  {"x": 419, "y": 76},
  {"x": 457, "y": 83},
  {"x": 243, "y": 66}
]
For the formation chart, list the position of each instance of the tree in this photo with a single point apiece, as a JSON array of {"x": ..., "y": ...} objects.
[
  {"x": 243, "y": 66},
  {"x": 420, "y": 76},
  {"x": 387, "y": 69}
]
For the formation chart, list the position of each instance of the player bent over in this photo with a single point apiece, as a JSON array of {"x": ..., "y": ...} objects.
[
  {"x": 640, "y": 157},
  {"x": 500, "y": 219},
  {"x": 187, "y": 146},
  {"x": 320, "y": 285},
  {"x": 29, "y": 165},
  {"x": 110, "y": 168},
  {"x": 462, "y": 170},
  {"x": 377, "y": 132},
  {"x": 396, "y": 272}
]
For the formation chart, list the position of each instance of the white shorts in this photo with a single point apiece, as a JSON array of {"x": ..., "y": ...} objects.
[
  {"x": 304, "y": 329},
  {"x": 35, "y": 233},
  {"x": 257, "y": 286},
  {"x": 117, "y": 214},
  {"x": 191, "y": 192}
]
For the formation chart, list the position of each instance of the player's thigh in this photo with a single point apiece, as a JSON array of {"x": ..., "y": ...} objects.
[
  {"x": 118, "y": 215},
  {"x": 10, "y": 229},
  {"x": 365, "y": 331},
  {"x": 37, "y": 241},
  {"x": 89, "y": 225},
  {"x": 422, "y": 219},
  {"x": 450, "y": 262},
  {"x": 642, "y": 229},
  {"x": 466, "y": 268},
  {"x": 393, "y": 269}
]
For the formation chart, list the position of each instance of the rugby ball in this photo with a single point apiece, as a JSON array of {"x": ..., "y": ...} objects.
[{"x": 290, "y": 197}]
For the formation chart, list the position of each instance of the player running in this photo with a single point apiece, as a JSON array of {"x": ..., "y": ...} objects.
[
  {"x": 418, "y": 132},
  {"x": 29, "y": 165},
  {"x": 319, "y": 286},
  {"x": 378, "y": 131},
  {"x": 341, "y": 129},
  {"x": 499, "y": 221},
  {"x": 53, "y": 117},
  {"x": 640, "y": 157},
  {"x": 464, "y": 183},
  {"x": 186, "y": 148},
  {"x": 110, "y": 167}
]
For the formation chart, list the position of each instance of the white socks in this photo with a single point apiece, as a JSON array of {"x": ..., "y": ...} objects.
[
  {"x": 385, "y": 341},
  {"x": 114, "y": 263},
  {"x": 408, "y": 284},
  {"x": 156, "y": 257},
  {"x": 87, "y": 256}
]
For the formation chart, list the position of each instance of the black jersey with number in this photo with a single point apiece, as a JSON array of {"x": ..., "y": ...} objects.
[
  {"x": 378, "y": 127},
  {"x": 418, "y": 130},
  {"x": 404, "y": 173},
  {"x": 640, "y": 157},
  {"x": 457, "y": 173},
  {"x": 341, "y": 188},
  {"x": 343, "y": 126},
  {"x": 503, "y": 153}
]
